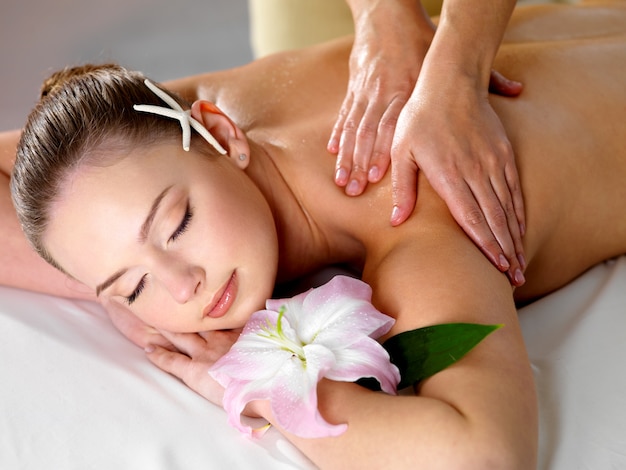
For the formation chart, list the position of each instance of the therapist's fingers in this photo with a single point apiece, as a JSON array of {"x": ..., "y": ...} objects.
[
  {"x": 335, "y": 136},
  {"x": 347, "y": 125},
  {"x": 491, "y": 226},
  {"x": 365, "y": 145},
  {"x": 508, "y": 190},
  {"x": 381, "y": 155},
  {"x": 497, "y": 205},
  {"x": 356, "y": 145},
  {"x": 501, "y": 85},
  {"x": 403, "y": 187},
  {"x": 515, "y": 186},
  {"x": 464, "y": 207}
]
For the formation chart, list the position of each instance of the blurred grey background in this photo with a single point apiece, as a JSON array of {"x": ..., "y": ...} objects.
[{"x": 163, "y": 38}]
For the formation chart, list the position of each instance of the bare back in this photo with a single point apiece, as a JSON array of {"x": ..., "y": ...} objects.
[{"x": 566, "y": 129}]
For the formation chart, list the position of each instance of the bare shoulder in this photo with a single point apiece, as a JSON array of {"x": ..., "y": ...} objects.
[
  {"x": 8, "y": 144},
  {"x": 561, "y": 22}
]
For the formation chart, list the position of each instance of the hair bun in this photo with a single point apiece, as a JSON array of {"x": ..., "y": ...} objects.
[{"x": 60, "y": 77}]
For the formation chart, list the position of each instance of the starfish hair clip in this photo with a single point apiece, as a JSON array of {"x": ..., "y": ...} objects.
[{"x": 175, "y": 111}]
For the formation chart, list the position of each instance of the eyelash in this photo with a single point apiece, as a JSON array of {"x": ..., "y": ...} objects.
[
  {"x": 184, "y": 225},
  {"x": 182, "y": 228},
  {"x": 138, "y": 290}
]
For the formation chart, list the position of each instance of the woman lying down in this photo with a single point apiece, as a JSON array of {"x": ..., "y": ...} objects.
[{"x": 194, "y": 241}]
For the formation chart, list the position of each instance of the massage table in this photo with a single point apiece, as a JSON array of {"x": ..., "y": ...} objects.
[{"x": 77, "y": 395}]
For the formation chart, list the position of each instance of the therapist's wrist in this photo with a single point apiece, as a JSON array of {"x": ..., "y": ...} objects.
[{"x": 449, "y": 60}]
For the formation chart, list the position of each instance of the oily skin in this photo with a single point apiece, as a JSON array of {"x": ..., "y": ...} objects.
[{"x": 211, "y": 243}]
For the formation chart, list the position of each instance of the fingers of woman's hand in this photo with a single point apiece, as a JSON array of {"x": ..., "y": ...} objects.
[
  {"x": 500, "y": 85},
  {"x": 385, "y": 61},
  {"x": 484, "y": 207},
  {"x": 335, "y": 136},
  {"x": 193, "y": 373},
  {"x": 192, "y": 362},
  {"x": 404, "y": 186},
  {"x": 502, "y": 203},
  {"x": 132, "y": 327},
  {"x": 365, "y": 144},
  {"x": 172, "y": 362},
  {"x": 351, "y": 172},
  {"x": 191, "y": 344},
  {"x": 381, "y": 155}
]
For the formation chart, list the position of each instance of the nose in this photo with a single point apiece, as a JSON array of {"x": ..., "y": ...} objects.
[{"x": 181, "y": 279}]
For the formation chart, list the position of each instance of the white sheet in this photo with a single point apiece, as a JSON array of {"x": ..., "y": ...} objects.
[{"x": 76, "y": 395}]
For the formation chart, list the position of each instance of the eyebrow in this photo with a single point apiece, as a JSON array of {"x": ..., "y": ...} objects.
[{"x": 143, "y": 235}]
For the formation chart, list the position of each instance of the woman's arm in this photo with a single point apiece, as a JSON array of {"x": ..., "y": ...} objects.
[
  {"x": 20, "y": 266},
  {"x": 480, "y": 412}
]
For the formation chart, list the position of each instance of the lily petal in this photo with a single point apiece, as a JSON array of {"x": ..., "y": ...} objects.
[
  {"x": 284, "y": 351},
  {"x": 365, "y": 359},
  {"x": 294, "y": 398}
]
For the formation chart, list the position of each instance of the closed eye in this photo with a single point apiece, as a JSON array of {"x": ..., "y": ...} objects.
[
  {"x": 184, "y": 224},
  {"x": 140, "y": 287}
]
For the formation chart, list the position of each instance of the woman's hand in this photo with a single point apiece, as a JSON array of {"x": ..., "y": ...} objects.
[
  {"x": 391, "y": 40},
  {"x": 186, "y": 356},
  {"x": 195, "y": 353},
  {"x": 443, "y": 126},
  {"x": 449, "y": 130},
  {"x": 132, "y": 327}
]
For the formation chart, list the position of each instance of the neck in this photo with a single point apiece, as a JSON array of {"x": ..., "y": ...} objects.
[{"x": 299, "y": 237}]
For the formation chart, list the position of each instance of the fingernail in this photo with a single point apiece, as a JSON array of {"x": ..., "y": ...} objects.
[
  {"x": 341, "y": 175},
  {"x": 522, "y": 229},
  {"x": 504, "y": 263},
  {"x": 395, "y": 215},
  {"x": 519, "y": 277},
  {"x": 373, "y": 174},
  {"x": 353, "y": 187},
  {"x": 148, "y": 349},
  {"x": 522, "y": 260},
  {"x": 333, "y": 145}
]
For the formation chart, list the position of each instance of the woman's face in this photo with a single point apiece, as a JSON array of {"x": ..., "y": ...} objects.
[{"x": 187, "y": 241}]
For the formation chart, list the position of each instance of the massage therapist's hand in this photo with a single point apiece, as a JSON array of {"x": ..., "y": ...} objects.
[
  {"x": 391, "y": 40},
  {"x": 449, "y": 130},
  {"x": 194, "y": 354}
]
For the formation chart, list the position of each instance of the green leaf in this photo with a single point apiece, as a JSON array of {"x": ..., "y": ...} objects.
[{"x": 425, "y": 351}]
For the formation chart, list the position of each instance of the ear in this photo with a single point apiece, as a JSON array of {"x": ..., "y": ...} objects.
[{"x": 224, "y": 130}]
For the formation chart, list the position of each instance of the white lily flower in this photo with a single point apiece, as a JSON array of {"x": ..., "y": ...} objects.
[{"x": 284, "y": 351}]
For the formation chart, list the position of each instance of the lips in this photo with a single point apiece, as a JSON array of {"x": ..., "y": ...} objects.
[{"x": 222, "y": 300}]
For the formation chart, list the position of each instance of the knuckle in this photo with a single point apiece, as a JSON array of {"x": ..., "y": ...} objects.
[
  {"x": 380, "y": 156},
  {"x": 366, "y": 130},
  {"x": 358, "y": 172},
  {"x": 499, "y": 219},
  {"x": 350, "y": 125},
  {"x": 509, "y": 209},
  {"x": 474, "y": 217},
  {"x": 388, "y": 122},
  {"x": 492, "y": 246}
]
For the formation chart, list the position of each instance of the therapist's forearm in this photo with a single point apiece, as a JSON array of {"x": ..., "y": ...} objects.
[
  {"x": 367, "y": 12},
  {"x": 469, "y": 35}
]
